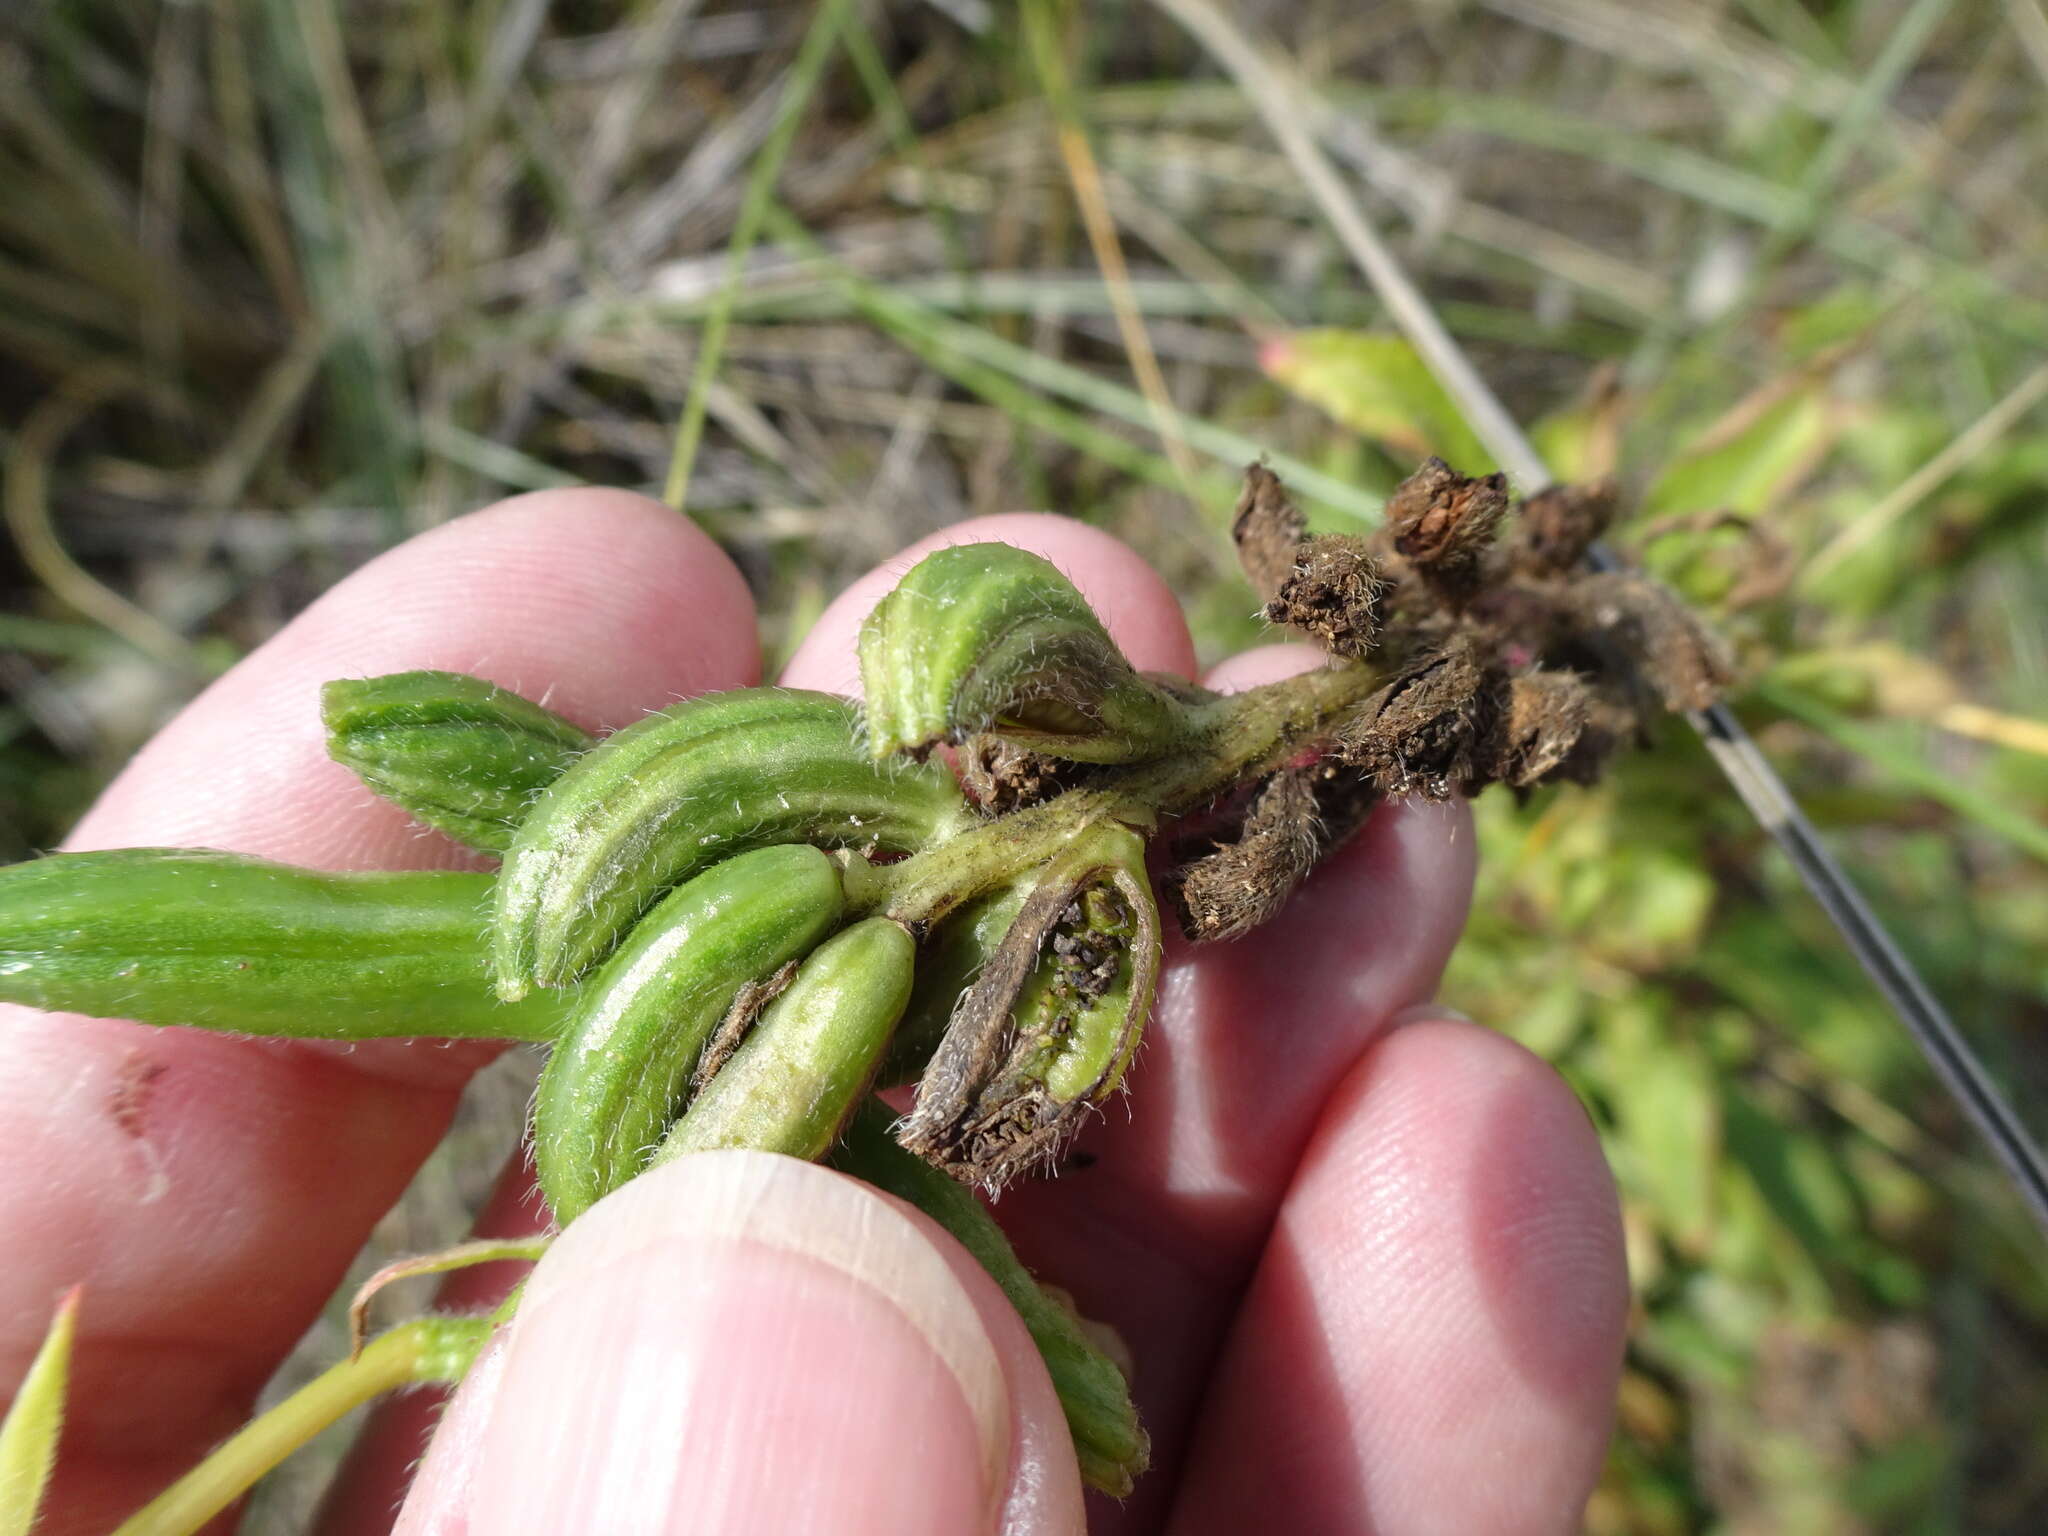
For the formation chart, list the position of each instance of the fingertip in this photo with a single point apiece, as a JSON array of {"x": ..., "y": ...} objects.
[
  {"x": 738, "y": 1342},
  {"x": 1445, "y": 1295},
  {"x": 1130, "y": 598}
]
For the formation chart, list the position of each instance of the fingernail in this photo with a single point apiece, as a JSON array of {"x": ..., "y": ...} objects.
[{"x": 744, "y": 1343}]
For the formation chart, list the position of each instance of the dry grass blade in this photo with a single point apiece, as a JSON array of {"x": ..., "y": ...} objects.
[
  {"x": 1086, "y": 177},
  {"x": 760, "y": 191},
  {"x": 27, "y": 507},
  {"x": 1916, "y": 487}
]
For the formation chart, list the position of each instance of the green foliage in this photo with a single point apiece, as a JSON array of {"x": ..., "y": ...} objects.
[{"x": 1376, "y": 386}]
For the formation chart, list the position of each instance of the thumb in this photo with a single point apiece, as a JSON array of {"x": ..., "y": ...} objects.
[{"x": 738, "y": 1342}]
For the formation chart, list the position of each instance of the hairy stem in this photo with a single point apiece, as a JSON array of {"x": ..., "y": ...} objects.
[
  {"x": 426, "y": 1349},
  {"x": 1232, "y": 739}
]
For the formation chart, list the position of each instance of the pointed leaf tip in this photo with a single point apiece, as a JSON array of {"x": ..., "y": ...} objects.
[{"x": 28, "y": 1435}]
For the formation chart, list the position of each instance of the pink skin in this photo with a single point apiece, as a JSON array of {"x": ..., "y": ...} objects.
[{"x": 1371, "y": 1274}]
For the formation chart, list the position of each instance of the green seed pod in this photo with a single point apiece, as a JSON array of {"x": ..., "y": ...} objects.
[
  {"x": 952, "y": 959},
  {"x": 1053, "y": 1020},
  {"x": 623, "y": 1066},
  {"x": 987, "y": 638},
  {"x": 809, "y": 1059},
  {"x": 1094, "y": 1395},
  {"x": 677, "y": 792},
  {"x": 215, "y": 940},
  {"x": 464, "y": 756}
]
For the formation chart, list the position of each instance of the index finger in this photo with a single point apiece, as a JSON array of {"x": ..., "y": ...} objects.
[{"x": 209, "y": 1192}]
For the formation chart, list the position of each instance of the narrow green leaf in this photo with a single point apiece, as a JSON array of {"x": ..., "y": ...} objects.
[
  {"x": 1377, "y": 385},
  {"x": 2013, "y": 824},
  {"x": 1747, "y": 465},
  {"x": 28, "y": 1435}
]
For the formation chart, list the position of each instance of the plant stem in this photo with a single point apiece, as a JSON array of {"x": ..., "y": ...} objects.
[
  {"x": 1232, "y": 739},
  {"x": 425, "y": 1349}
]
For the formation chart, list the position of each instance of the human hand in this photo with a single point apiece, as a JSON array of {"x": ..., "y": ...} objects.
[{"x": 1371, "y": 1276}]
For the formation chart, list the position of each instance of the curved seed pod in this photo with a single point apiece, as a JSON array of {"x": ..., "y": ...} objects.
[
  {"x": 1268, "y": 529},
  {"x": 1094, "y": 1393},
  {"x": 215, "y": 940},
  {"x": 677, "y": 792},
  {"x": 1555, "y": 527},
  {"x": 989, "y": 638},
  {"x": 951, "y": 961},
  {"x": 621, "y": 1070},
  {"x": 1530, "y": 729},
  {"x": 1051, "y": 1023},
  {"x": 808, "y": 1060},
  {"x": 464, "y": 756}
]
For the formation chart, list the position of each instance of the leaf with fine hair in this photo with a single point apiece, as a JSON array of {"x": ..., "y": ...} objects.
[{"x": 28, "y": 1435}]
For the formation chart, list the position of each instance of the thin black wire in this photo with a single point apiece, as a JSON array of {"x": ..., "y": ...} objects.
[{"x": 1954, "y": 1061}]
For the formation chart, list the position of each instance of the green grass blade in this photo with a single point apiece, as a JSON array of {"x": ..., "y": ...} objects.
[
  {"x": 28, "y": 1435},
  {"x": 1974, "y": 805},
  {"x": 767, "y": 168},
  {"x": 980, "y": 360}
]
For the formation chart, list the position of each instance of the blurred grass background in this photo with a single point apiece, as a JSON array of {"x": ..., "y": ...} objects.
[{"x": 284, "y": 281}]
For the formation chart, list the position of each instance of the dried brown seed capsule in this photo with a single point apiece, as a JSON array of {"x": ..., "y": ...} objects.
[
  {"x": 1609, "y": 726},
  {"x": 1000, "y": 776},
  {"x": 1052, "y": 1021},
  {"x": 1677, "y": 655},
  {"x": 1555, "y": 527},
  {"x": 1267, "y": 527},
  {"x": 1444, "y": 523},
  {"x": 1332, "y": 593},
  {"x": 1243, "y": 884},
  {"x": 1532, "y": 728},
  {"x": 1416, "y": 734}
]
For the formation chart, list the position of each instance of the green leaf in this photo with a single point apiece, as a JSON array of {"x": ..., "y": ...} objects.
[
  {"x": 1377, "y": 385},
  {"x": 1805, "y": 1191},
  {"x": 1750, "y": 457},
  {"x": 1667, "y": 1117},
  {"x": 28, "y": 1436}
]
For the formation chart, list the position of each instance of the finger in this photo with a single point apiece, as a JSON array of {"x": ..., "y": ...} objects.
[
  {"x": 210, "y": 1191},
  {"x": 738, "y": 1342},
  {"x": 1158, "y": 1224},
  {"x": 1126, "y": 594},
  {"x": 1434, "y": 1336}
]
